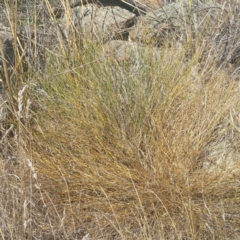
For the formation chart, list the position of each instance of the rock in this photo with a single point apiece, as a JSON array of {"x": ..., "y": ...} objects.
[
  {"x": 121, "y": 50},
  {"x": 218, "y": 25},
  {"x": 3, "y": 106},
  {"x": 25, "y": 49},
  {"x": 7, "y": 40},
  {"x": 137, "y": 7},
  {"x": 8, "y": 58},
  {"x": 100, "y": 23},
  {"x": 7, "y": 46},
  {"x": 129, "y": 51},
  {"x": 152, "y": 4},
  {"x": 174, "y": 19},
  {"x": 131, "y": 5},
  {"x": 222, "y": 156}
]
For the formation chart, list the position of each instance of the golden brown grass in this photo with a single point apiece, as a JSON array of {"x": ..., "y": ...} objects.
[{"x": 143, "y": 149}]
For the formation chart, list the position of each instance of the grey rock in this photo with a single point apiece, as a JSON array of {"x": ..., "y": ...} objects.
[
  {"x": 99, "y": 23},
  {"x": 7, "y": 41},
  {"x": 8, "y": 58},
  {"x": 218, "y": 24},
  {"x": 24, "y": 48},
  {"x": 129, "y": 51},
  {"x": 174, "y": 19},
  {"x": 3, "y": 106},
  {"x": 132, "y": 6},
  {"x": 222, "y": 156},
  {"x": 8, "y": 51}
]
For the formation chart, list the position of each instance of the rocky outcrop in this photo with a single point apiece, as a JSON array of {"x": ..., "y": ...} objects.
[
  {"x": 130, "y": 5},
  {"x": 181, "y": 21},
  {"x": 175, "y": 20},
  {"x": 100, "y": 23},
  {"x": 133, "y": 6}
]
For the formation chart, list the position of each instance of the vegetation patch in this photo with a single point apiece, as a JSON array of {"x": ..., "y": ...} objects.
[{"x": 143, "y": 147}]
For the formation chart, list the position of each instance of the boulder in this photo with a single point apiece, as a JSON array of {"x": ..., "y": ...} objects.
[
  {"x": 138, "y": 7},
  {"x": 7, "y": 41},
  {"x": 134, "y": 6},
  {"x": 174, "y": 19},
  {"x": 181, "y": 21},
  {"x": 127, "y": 51},
  {"x": 7, "y": 46},
  {"x": 98, "y": 23},
  {"x": 222, "y": 156}
]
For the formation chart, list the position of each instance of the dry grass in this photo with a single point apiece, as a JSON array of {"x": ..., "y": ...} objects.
[{"x": 140, "y": 149}]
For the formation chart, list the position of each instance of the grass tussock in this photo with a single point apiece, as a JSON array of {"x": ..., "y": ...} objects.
[
  {"x": 124, "y": 145},
  {"x": 141, "y": 148}
]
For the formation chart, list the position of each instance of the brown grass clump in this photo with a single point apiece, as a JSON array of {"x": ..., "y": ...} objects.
[
  {"x": 146, "y": 148},
  {"x": 125, "y": 146}
]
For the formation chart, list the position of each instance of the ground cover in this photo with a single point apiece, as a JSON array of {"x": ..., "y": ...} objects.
[{"x": 102, "y": 148}]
